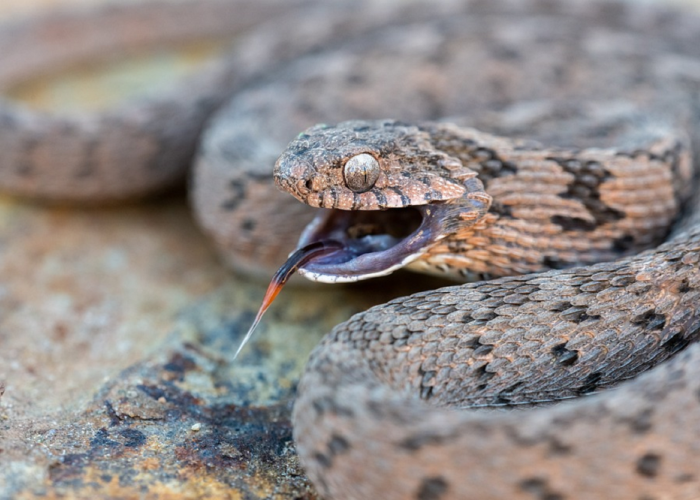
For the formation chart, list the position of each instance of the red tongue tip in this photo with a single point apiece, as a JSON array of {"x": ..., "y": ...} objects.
[{"x": 297, "y": 259}]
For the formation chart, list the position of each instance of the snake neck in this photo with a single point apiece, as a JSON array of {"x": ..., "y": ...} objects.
[{"x": 558, "y": 207}]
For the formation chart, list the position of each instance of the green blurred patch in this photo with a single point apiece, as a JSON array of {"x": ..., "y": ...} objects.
[{"x": 103, "y": 84}]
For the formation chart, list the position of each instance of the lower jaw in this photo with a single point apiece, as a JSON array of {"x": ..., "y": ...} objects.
[{"x": 324, "y": 277}]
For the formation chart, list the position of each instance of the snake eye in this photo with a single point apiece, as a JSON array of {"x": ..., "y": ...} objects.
[{"x": 361, "y": 172}]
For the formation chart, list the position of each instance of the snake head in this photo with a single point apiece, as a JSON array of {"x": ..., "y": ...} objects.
[
  {"x": 390, "y": 195},
  {"x": 368, "y": 165}
]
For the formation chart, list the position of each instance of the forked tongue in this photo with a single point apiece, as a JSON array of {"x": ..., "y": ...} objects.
[{"x": 297, "y": 259}]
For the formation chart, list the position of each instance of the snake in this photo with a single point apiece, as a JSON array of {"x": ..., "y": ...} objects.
[{"x": 539, "y": 150}]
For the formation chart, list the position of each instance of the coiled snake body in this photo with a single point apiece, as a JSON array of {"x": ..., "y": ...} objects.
[{"x": 600, "y": 104}]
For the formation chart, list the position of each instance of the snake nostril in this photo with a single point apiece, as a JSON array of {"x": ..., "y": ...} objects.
[{"x": 304, "y": 186}]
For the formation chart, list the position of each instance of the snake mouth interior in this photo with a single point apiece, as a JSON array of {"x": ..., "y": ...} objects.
[{"x": 373, "y": 243}]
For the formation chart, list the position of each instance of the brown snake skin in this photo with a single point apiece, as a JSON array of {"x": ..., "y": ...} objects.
[{"x": 409, "y": 399}]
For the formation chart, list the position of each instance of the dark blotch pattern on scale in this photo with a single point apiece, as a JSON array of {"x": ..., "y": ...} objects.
[
  {"x": 432, "y": 488},
  {"x": 648, "y": 465},
  {"x": 539, "y": 489},
  {"x": 564, "y": 356},
  {"x": 588, "y": 176}
]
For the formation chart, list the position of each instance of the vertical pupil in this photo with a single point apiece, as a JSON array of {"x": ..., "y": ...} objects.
[{"x": 361, "y": 172}]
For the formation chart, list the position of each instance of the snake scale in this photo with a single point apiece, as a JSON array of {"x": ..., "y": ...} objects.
[{"x": 575, "y": 145}]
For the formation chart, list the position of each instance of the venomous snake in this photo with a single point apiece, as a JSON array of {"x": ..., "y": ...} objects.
[{"x": 601, "y": 103}]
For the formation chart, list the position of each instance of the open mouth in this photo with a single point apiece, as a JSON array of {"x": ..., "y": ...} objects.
[
  {"x": 341, "y": 246},
  {"x": 370, "y": 242}
]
